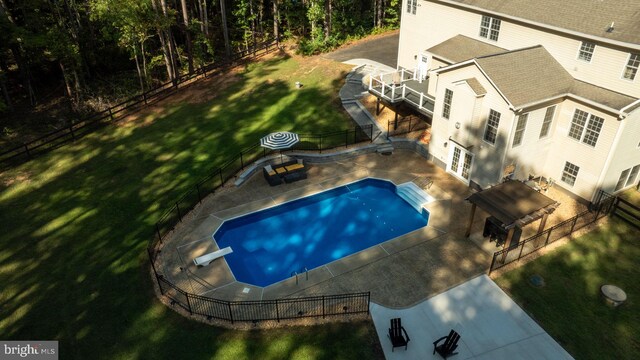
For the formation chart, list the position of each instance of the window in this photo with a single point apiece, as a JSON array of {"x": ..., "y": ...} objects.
[
  {"x": 491, "y": 131},
  {"x": 490, "y": 28},
  {"x": 631, "y": 69},
  {"x": 586, "y": 51},
  {"x": 520, "y": 126},
  {"x": 446, "y": 106},
  {"x": 570, "y": 173},
  {"x": 411, "y": 6},
  {"x": 627, "y": 178},
  {"x": 546, "y": 123},
  {"x": 586, "y": 127}
]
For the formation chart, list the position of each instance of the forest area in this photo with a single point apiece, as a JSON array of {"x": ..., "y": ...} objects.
[{"x": 62, "y": 60}]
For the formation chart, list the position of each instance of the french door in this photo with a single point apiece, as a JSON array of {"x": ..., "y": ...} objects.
[{"x": 460, "y": 161}]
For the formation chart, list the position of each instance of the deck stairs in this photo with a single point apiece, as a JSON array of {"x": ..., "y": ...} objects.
[{"x": 413, "y": 194}]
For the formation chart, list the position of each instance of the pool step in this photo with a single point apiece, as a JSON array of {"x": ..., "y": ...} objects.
[{"x": 413, "y": 194}]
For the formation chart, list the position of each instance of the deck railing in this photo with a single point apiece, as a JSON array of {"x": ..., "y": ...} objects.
[{"x": 393, "y": 88}]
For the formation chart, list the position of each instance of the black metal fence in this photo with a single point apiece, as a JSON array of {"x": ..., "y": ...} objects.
[
  {"x": 626, "y": 211},
  {"x": 317, "y": 306},
  {"x": 602, "y": 208},
  {"x": 406, "y": 126},
  {"x": 263, "y": 310},
  {"x": 78, "y": 129}
]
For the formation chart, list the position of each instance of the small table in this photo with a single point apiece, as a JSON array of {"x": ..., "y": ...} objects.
[{"x": 613, "y": 295}]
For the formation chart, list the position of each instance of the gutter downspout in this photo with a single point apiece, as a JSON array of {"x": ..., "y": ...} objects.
[{"x": 607, "y": 163}]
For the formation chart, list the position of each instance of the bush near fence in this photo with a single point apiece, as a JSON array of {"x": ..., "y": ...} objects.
[
  {"x": 605, "y": 205},
  {"x": 279, "y": 309},
  {"x": 80, "y": 128}
]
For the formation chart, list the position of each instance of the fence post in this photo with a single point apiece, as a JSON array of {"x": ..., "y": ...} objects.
[
  {"x": 521, "y": 248},
  {"x": 493, "y": 261},
  {"x": 186, "y": 295},
  {"x": 221, "y": 180},
  {"x": 179, "y": 214},
  {"x": 355, "y": 135},
  {"x": 277, "y": 311},
  {"x": 321, "y": 144},
  {"x": 241, "y": 162},
  {"x": 144, "y": 96},
  {"x": 199, "y": 196},
  {"x": 323, "y": 313},
  {"x": 110, "y": 114},
  {"x": 346, "y": 138},
  {"x": 548, "y": 237},
  {"x": 158, "y": 232},
  {"x": 73, "y": 136},
  {"x": 26, "y": 149},
  {"x": 575, "y": 220},
  {"x": 230, "y": 312}
]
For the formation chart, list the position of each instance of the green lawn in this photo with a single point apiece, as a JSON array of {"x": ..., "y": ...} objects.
[
  {"x": 75, "y": 223},
  {"x": 570, "y": 307}
]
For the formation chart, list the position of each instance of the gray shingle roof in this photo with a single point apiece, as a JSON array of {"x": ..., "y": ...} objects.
[
  {"x": 460, "y": 48},
  {"x": 529, "y": 75},
  {"x": 475, "y": 85},
  {"x": 591, "y": 17},
  {"x": 526, "y": 75}
]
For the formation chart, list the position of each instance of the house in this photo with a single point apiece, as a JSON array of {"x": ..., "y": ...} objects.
[{"x": 518, "y": 88}]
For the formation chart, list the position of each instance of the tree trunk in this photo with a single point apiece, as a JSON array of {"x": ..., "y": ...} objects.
[
  {"x": 5, "y": 93},
  {"x": 379, "y": 12},
  {"x": 135, "y": 56},
  {"x": 205, "y": 16},
  {"x": 253, "y": 24},
  {"x": 225, "y": 30},
  {"x": 187, "y": 31},
  {"x": 327, "y": 19},
  {"x": 67, "y": 86},
  {"x": 164, "y": 44},
  {"x": 276, "y": 17}
]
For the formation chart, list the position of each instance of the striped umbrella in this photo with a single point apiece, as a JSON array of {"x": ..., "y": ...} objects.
[{"x": 279, "y": 141}]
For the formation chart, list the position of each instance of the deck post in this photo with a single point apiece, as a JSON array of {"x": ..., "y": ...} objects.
[
  {"x": 378, "y": 106},
  {"x": 543, "y": 222},
  {"x": 404, "y": 91},
  {"x": 393, "y": 92},
  {"x": 473, "y": 213},
  {"x": 507, "y": 244},
  {"x": 370, "y": 82},
  {"x": 421, "y": 100}
]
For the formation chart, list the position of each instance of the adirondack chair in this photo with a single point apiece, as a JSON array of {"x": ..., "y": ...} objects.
[
  {"x": 398, "y": 334},
  {"x": 450, "y": 344}
]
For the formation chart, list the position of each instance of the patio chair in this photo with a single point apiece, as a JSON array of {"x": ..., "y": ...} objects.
[
  {"x": 271, "y": 176},
  {"x": 450, "y": 344},
  {"x": 398, "y": 335}
]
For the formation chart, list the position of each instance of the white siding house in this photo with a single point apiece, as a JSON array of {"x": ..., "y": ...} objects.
[{"x": 546, "y": 88}]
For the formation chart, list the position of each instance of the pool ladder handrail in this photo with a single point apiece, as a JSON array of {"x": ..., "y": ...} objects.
[
  {"x": 296, "y": 275},
  {"x": 306, "y": 272}
]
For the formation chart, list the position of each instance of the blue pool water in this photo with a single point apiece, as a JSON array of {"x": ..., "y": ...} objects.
[{"x": 270, "y": 244}]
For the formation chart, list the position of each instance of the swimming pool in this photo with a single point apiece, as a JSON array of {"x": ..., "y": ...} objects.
[{"x": 269, "y": 245}]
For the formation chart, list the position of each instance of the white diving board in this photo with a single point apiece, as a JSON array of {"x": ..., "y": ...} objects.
[{"x": 205, "y": 260}]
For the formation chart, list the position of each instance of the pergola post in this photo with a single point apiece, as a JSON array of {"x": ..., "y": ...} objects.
[
  {"x": 507, "y": 243},
  {"x": 543, "y": 222},
  {"x": 473, "y": 213},
  {"x": 378, "y": 106}
]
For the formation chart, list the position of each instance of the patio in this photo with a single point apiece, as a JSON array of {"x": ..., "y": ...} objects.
[
  {"x": 399, "y": 273},
  {"x": 490, "y": 324}
]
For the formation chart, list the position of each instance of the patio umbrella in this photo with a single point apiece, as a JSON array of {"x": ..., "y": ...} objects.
[{"x": 279, "y": 141}]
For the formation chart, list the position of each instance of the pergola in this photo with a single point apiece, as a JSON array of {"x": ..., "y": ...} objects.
[{"x": 514, "y": 204}]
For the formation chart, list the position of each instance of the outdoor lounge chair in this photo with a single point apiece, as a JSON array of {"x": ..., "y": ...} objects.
[
  {"x": 449, "y": 346},
  {"x": 273, "y": 178},
  {"x": 205, "y": 260},
  {"x": 398, "y": 334}
]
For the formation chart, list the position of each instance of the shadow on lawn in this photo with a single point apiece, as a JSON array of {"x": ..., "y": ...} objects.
[
  {"x": 571, "y": 298},
  {"x": 73, "y": 256}
]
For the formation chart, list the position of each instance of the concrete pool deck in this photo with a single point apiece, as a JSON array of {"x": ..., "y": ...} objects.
[
  {"x": 490, "y": 324},
  {"x": 399, "y": 273}
]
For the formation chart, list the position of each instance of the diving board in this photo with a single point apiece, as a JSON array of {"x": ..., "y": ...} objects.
[{"x": 205, "y": 260}]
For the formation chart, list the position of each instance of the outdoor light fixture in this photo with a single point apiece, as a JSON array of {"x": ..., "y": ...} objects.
[{"x": 458, "y": 125}]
